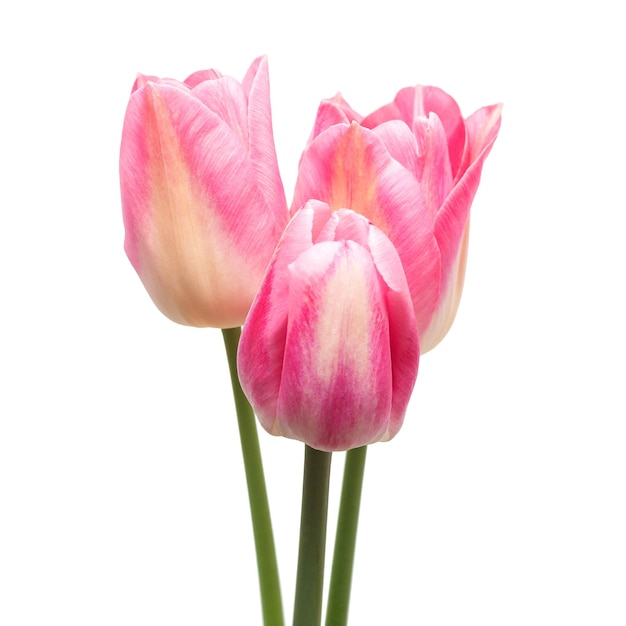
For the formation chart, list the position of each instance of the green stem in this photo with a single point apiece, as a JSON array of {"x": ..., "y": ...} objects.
[
  {"x": 345, "y": 539},
  {"x": 271, "y": 600},
  {"x": 310, "y": 575}
]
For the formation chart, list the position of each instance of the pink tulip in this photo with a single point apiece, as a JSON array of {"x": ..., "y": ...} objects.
[
  {"x": 202, "y": 198},
  {"x": 329, "y": 352},
  {"x": 412, "y": 167}
]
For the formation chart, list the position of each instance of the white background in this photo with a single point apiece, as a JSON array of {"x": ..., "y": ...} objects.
[{"x": 502, "y": 500}]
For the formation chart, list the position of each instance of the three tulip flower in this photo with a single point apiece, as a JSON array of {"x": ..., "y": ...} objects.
[{"x": 339, "y": 294}]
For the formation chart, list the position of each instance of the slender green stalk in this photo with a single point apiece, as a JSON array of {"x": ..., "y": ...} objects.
[
  {"x": 310, "y": 575},
  {"x": 271, "y": 600},
  {"x": 345, "y": 540}
]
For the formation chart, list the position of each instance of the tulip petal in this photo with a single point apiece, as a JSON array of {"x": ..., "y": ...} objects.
[
  {"x": 412, "y": 103},
  {"x": 261, "y": 362},
  {"x": 333, "y": 111},
  {"x": 451, "y": 291},
  {"x": 452, "y": 223},
  {"x": 434, "y": 170},
  {"x": 337, "y": 361},
  {"x": 200, "y": 76},
  {"x": 350, "y": 167},
  {"x": 343, "y": 225},
  {"x": 452, "y": 218},
  {"x": 482, "y": 129},
  {"x": 403, "y": 336},
  {"x": 225, "y": 98},
  {"x": 261, "y": 136},
  {"x": 401, "y": 143}
]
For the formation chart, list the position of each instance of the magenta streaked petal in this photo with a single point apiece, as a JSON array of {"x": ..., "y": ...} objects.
[
  {"x": 336, "y": 360},
  {"x": 261, "y": 135},
  {"x": 260, "y": 355},
  {"x": 403, "y": 334},
  {"x": 261, "y": 363}
]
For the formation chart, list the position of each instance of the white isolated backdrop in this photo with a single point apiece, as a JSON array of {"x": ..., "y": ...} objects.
[{"x": 501, "y": 501}]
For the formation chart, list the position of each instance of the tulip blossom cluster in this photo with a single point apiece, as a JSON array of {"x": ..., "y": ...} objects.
[{"x": 338, "y": 294}]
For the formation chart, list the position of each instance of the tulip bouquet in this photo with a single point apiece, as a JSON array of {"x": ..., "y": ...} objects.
[{"x": 337, "y": 295}]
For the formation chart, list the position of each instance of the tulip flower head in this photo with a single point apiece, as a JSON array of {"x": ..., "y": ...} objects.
[
  {"x": 202, "y": 198},
  {"x": 412, "y": 167},
  {"x": 329, "y": 352}
]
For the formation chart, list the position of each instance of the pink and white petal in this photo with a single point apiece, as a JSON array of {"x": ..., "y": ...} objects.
[
  {"x": 453, "y": 216},
  {"x": 403, "y": 335},
  {"x": 401, "y": 143},
  {"x": 385, "y": 113},
  {"x": 452, "y": 228},
  {"x": 341, "y": 103},
  {"x": 482, "y": 129},
  {"x": 225, "y": 98},
  {"x": 225, "y": 168},
  {"x": 143, "y": 79},
  {"x": 448, "y": 305},
  {"x": 345, "y": 166},
  {"x": 135, "y": 182},
  {"x": 164, "y": 214},
  {"x": 343, "y": 225},
  {"x": 336, "y": 384},
  {"x": 261, "y": 137},
  {"x": 434, "y": 171},
  {"x": 263, "y": 337},
  {"x": 452, "y": 223},
  {"x": 261, "y": 348},
  {"x": 253, "y": 72},
  {"x": 330, "y": 112},
  {"x": 315, "y": 172},
  {"x": 350, "y": 167},
  {"x": 193, "y": 80},
  {"x": 420, "y": 101},
  {"x": 413, "y": 103},
  {"x": 302, "y": 231}
]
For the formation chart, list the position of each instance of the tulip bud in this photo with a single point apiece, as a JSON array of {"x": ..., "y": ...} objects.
[
  {"x": 202, "y": 198},
  {"x": 329, "y": 352},
  {"x": 366, "y": 163}
]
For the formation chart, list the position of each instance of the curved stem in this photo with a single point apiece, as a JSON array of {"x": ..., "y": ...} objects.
[
  {"x": 271, "y": 600},
  {"x": 345, "y": 539},
  {"x": 310, "y": 575}
]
